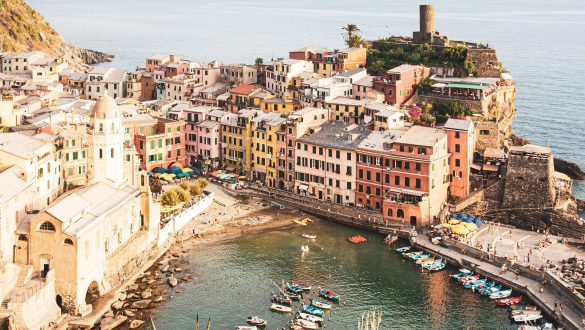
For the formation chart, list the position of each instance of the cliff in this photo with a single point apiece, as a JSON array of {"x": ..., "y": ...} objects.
[{"x": 24, "y": 29}]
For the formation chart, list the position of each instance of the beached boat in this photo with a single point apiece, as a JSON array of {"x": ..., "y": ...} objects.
[
  {"x": 308, "y": 324},
  {"x": 522, "y": 308},
  {"x": 509, "y": 301},
  {"x": 312, "y": 310},
  {"x": 293, "y": 288},
  {"x": 255, "y": 320},
  {"x": 246, "y": 327},
  {"x": 357, "y": 239},
  {"x": 403, "y": 249},
  {"x": 320, "y": 304},
  {"x": 526, "y": 317},
  {"x": 281, "y": 299},
  {"x": 293, "y": 296},
  {"x": 501, "y": 294},
  {"x": 310, "y": 317},
  {"x": 303, "y": 286},
  {"x": 281, "y": 308},
  {"x": 328, "y": 294},
  {"x": 309, "y": 236}
]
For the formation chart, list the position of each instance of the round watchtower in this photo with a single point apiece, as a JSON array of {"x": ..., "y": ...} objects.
[{"x": 427, "y": 18}]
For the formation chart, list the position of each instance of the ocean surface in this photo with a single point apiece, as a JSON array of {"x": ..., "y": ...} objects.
[
  {"x": 541, "y": 42},
  {"x": 234, "y": 279}
]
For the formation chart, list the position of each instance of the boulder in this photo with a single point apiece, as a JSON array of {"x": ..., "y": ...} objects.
[
  {"x": 178, "y": 269},
  {"x": 108, "y": 323},
  {"x": 146, "y": 294},
  {"x": 172, "y": 281},
  {"x": 133, "y": 287},
  {"x": 123, "y": 296},
  {"x": 118, "y": 305},
  {"x": 157, "y": 299},
  {"x": 150, "y": 282},
  {"x": 129, "y": 313},
  {"x": 165, "y": 268},
  {"x": 135, "y": 324},
  {"x": 141, "y": 304}
]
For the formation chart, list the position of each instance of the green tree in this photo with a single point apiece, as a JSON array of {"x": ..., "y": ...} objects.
[
  {"x": 349, "y": 30},
  {"x": 170, "y": 198},
  {"x": 185, "y": 184},
  {"x": 196, "y": 189},
  {"x": 354, "y": 41},
  {"x": 155, "y": 186},
  {"x": 203, "y": 182},
  {"x": 184, "y": 195},
  {"x": 258, "y": 62}
]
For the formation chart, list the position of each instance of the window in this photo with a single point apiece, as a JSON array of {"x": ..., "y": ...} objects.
[
  {"x": 417, "y": 183},
  {"x": 457, "y": 135},
  {"x": 389, "y": 212},
  {"x": 457, "y": 148},
  {"x": 400, "y": 213},
  {"x": 417, "y": 166},
  {"x": 397, "y": 180},
  {"x": 68, "y": 241},
  {"x": 47, "y": 226},
  {"x": 457, "y": 162},
  {"x": 484, "y": 132},
  {"x": 112, "y": 153}
]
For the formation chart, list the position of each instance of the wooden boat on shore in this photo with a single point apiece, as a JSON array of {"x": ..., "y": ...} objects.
[
  {"x": 256, "y": 321},
  {"x": 403, "y": 249},
  {"x": 301, "y": 285},
  {"x": 309, "y": 236},
  {"x": 307, "y": 324},
  {"x": 281, "y": 299},
  {"x": 501, "y": 294},
  {"x": 310, "y": 317},
  {"x": 357, "y": 239},
  {"x": 312, "y": 310},
  {"x": 294, "y": 288},
  {"x": 281, "y": 308},
  {"x": 293, "y": 296},
  {"x": 509, "y": 301},
  {"x": 320, "y": 304},
  {"x": 328, "y": 294}
]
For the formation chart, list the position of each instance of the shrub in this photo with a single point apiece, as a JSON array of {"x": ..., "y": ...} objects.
[
  {"x": 185, "y": 185},
  {"x": 184, "y": 195},
  {"x": 203, "y": 183},
  {"x": 155, "y": 186},
  {"x": 196, "y": 189},
  {"x": 170, "y": 198}
]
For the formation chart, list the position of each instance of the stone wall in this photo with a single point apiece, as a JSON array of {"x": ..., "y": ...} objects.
[
  {"x": 557, "y": 223},
  {"x": 485, "y": 62}
]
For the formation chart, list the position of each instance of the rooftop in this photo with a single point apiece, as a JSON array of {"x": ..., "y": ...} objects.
[
  {"x": 459, "y": 124},
  {"x": 12, "y": 183},
  {"x": 421, "y": 136},
  {"x": 350, "y": 73},
  {"x": 312, "y": 49},
  {"x": 530, "y": 149},
  {"x": 336, "y": 134},
  {"x": 401, "y": 69},
  {"x": 365, "y": 81},
  {"x": 243, "y": 89},
  {"x": 377, "y": 140},
  {"x": 22, "y": 146}
]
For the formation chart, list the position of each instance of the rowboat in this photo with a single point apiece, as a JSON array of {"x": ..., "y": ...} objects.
[
  {"x": 474, "y": 284},
  {"x": 255, "y": 320},
  {"x": 313, "y": 310},
  {"x": 410, "y": 254},
  {"x": 509, "y": 301},
  {"x": 293, "y": 288},
  {"x": 501, "y": 294},
  {"x": 357, "y": 239},
  {"x": 245, "y": 327},
  {"x": 522, "y": 308},
  {"x": 302, "y": 286},
  {"x": 520, "y": 312},
  {"x": 420, "y": 256},
  {"x": 390, "y": 240},
  {"x": 422, "y": 261},
  {"x": 490, "y": 290},
  {"x": 485, "y": 285},
  {"x": 309, "y": 236},
  {"x": 320, "y": 304},
  {"x": 310, "y": 317},
  {"x": 281, "y": 299},
  {"x": 281, "y": 308},
  {"x": 307, "y": 324},
  {"x": 436, "y": 266},
  {"x": 403, "y": 249},
  {"x": 470, "y": 278},
  {"x": 293, "y": 296},
  {"x": 328, "y": 294},
  {"x": 462, "y": 274},
  {"x": 526, "y": 317}
]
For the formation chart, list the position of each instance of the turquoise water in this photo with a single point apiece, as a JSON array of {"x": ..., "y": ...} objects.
[
  {"x": 541, "y": 42},
  {"x": 233, "y": 280}
]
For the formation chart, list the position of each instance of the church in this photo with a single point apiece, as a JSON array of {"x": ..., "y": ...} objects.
[{"x": 95, "y": 236}]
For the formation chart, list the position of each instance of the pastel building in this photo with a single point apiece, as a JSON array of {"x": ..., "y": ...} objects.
[
  {"x": 461, "y": 146},
  {"x": 161, "y": 144},
  {"x": 264, "y": 150},
  {"x": 236, "y": 135},
  {"x": 351, "y": 58},
  {"x": 106, "y": 81},
  {"x": 279, "y": 79},
  {"x": 239, "y": 74},
  {"x": 326, "y": 162},
  {"x": 400, "y": 82},
  {"x": 347, "y": 109}
]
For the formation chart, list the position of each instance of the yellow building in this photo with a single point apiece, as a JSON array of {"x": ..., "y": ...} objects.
[
  {"x": 263, "y": 148},
  {"x": 281, "y": 105},
  {"x": 236, "y": 132}
]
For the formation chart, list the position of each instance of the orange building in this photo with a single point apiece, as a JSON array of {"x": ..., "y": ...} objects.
[
  {"x": 351, "y": 58},
  {"x": 461, "y": 145}
]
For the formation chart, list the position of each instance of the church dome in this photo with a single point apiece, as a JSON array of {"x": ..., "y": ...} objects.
[{"x": 105, "y": 107}]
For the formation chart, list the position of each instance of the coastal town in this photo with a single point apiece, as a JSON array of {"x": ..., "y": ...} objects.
[{"x": 106, "y": 171}]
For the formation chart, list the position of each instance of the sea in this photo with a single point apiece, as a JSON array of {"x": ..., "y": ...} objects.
[{"x": 540, "y": 42}]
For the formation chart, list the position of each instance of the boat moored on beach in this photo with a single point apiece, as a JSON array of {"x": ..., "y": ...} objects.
[
  {"x": 313, "y": 310},
  {"x": 310, "y": 317},
  {"x": 281, "y": 308},
  {"x": 328, "y": 294},
  {"x": 256, "y": 321},
  {"x": 320, "y": 304}
]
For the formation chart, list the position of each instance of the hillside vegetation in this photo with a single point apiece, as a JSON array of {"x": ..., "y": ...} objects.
[{"x": 24, "y": 29}]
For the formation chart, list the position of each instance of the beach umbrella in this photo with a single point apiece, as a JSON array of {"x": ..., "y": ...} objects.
[
  {"x": 187, "y": 170},
  {"x": 175, "y": 170},
  {"x": 460, "y": 230},
  {"x": 182, "y": 175},
  {"x": 177, "y": 164},
  {"x": 157, "y": 175},
  {"x": 159, "y": 170},
  {"x": 471, "y": 226},
  {"x": 149, "y": 173}
]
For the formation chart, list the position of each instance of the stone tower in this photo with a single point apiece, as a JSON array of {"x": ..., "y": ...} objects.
[
  {"x": 106, "y": 142},
  {"x": 427, "y": 19}
]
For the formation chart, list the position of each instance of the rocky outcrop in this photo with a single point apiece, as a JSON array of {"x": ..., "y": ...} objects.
[
  {"x": 24, "y": 29},
  {"x": 571, "y": 169}
]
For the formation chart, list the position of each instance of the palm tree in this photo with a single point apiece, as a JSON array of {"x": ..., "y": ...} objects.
[
  {"x": 349, "y": 31},
  {"x": 354, "y": 41},
  {"x": 258, "y": 62}
]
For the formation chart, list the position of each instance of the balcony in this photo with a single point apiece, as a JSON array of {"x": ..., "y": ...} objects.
[{"x": 404, "y": 196}]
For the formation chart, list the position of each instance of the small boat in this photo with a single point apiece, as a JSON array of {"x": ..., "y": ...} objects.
[
  {"x": 470, "y": 278},
  {"x": 389, "y": 240},
  {"x": 293, "y": 288},
  {"x": 501, "y": 294},
  {"x": 509, "y": 301},
  {"x": 520, "y": 312},
  {"x": 357, "y": 239},
  {"x": 281, "y": 308},
  {"x": 281, "y": 299},
  {"x": 436, "y": 266},
  {"x": 293, "y": 296},
  {"x": 303, "y": 286},
  {"x": 462, "y": 274},
  {"x": 310, "y": 317},
  {"x": 320, "y": 304},
  {"x": 328, "y": 294},
  {"x": 485, "y": 285},
  {"x": 410, "y": 254},
  {"x": 246, "y": 327},
  {"x": 309, "y": 236},
  {"x": 300, "y": 222},
  {"x": 307, "y": 324},
  {"x": 526, "y": 317},
  {"x": 474, "y": 284},
  {"x": 403, "y": 249},
  {"x": 295, "y": 326},
  {"x": 425, "y": 260},
  {"x": 313, "y": 310},
  {"x": 420, "y": 256},
  {"x": 490, "y": 290},
  {"x": 255, "y": 320},
  {"x": 305, "y": 248},
  {"x": 522, "y": 308}
]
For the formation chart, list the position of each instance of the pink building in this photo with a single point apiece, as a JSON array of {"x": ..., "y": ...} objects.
[
  {"x": 461, "y": 145},
  {"x": 209, "y": 144},
  {"x": 325, "y": 166},
  {"x": 399, "y": 83},
  {"x": 192, "y": 117},
  {"x": 360, "y": 88}
]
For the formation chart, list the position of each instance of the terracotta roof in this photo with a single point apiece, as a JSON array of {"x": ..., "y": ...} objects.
[{"x": 243, "y": 89}]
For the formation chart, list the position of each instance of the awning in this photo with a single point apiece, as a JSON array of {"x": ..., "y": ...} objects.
[
  {"x": 491, "y": 168},
  {"x": 303, "y": 187},
  {"x": 406, "y": 191},
  {"x": 475, "y": 167},
  {"x": 438, "y": 85},
  {"x": 224, "y": 97}
]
